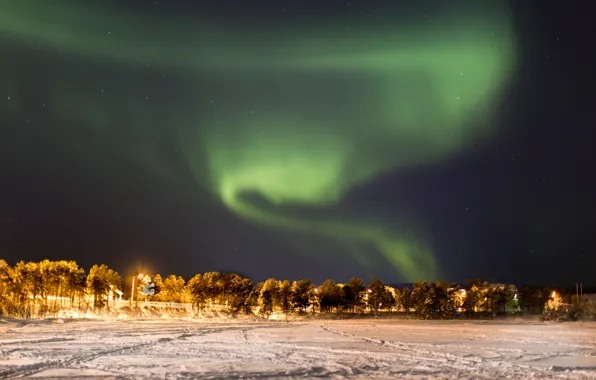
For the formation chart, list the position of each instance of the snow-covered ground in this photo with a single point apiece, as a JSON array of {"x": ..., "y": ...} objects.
[{"x": 363, "y": 349}]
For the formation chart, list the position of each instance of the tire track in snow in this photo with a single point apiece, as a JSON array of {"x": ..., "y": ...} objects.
[
  {"x": 408, "y": 348},
  {"x": 28, "y": 370},
  {"x": 300, "y": 373},
  {"x": 306, "y": 363},
  {"x": 449, "y": 362},
  {"x": 320, "y": 361},
  {"x": 36, "y": 341},
  {"x": 31, "y": 369}
]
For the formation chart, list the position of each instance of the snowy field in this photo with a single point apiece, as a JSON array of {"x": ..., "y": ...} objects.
[{"x": 354, "y": 349}]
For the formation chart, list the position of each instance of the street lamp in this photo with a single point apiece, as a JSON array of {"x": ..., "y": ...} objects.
[{"x": 132, "y": 291}]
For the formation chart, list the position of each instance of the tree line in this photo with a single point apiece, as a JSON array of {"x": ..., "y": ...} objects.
[{"x": 44, "y": 288}]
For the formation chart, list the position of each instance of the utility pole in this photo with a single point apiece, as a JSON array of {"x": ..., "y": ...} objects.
[{"x": 132, "y": 291}]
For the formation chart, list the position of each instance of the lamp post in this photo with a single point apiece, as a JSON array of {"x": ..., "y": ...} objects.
[{"x": 132, "y": 291}]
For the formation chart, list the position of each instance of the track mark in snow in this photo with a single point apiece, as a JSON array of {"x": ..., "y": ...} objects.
[
  {"x": 244, "y": 336},
  {"x": 31, "y": 369},
  {"x": 445, "y": 363},
  {"x": 569, "y": 369},
  {"x": 36, "y": 341},
  {"x": 317, "y": 371}
]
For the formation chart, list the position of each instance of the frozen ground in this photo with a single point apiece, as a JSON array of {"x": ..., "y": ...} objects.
[{"x": 177, "y": 349}]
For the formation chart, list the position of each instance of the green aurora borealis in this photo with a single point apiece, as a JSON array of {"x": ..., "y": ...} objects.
[{"x": 308, "y": 115}]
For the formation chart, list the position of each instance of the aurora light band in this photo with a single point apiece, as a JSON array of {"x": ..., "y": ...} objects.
[{"x": 310, "y": 115}]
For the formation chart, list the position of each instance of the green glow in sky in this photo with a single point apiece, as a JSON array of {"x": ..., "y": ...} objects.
[{"x": 303, "y": 117}]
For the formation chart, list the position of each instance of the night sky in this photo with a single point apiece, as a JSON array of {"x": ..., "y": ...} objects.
[{"x": 411, "y": 140}]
